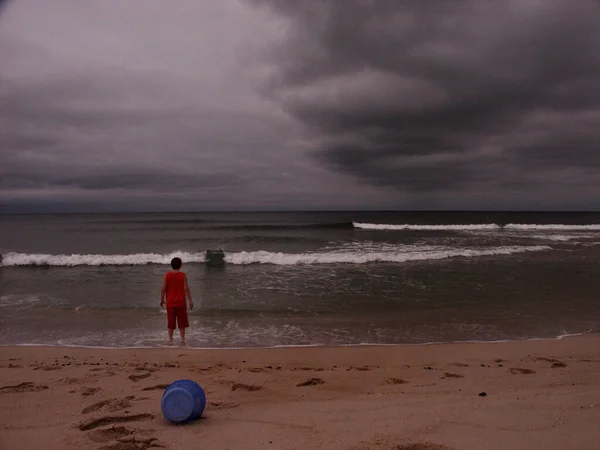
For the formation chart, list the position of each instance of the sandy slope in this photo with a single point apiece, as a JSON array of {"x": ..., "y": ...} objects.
[{"x": 539, "y": 395}]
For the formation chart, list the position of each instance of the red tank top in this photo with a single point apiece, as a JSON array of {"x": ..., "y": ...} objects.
[{"x": 175, "y": 287}]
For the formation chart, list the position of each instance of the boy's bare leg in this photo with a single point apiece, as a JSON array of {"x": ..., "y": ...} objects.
[
  {"x": 182, "y": 334},
  {"x": 171, "y": 336}
]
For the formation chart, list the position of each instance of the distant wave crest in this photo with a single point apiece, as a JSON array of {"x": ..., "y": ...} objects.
[
  {"x": 467, "y": 227},
  {"x": 542, "y": 227},
  {"x": 476, "y": 227},
  {"x": 265, "y": 257}
]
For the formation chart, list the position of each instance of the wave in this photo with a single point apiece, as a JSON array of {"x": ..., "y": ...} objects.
[
  {"x": 40, "y": 259},
  {"x": 553, "y": 237},
  {"x": 542, "y": 227},
  {"x": 295, "y": 226},
  {"x": 477, "y": 227},
  {"x": 264, "y": 257},
  {"x": 467, "y": 227}
]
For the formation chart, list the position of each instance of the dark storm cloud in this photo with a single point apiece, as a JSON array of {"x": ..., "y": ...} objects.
[
  {"x": 141, "y": 107},
  {"x": 74, "y": 133},
  {"x": 439, "y": 95},
  {"x": 426, "y": 104}
]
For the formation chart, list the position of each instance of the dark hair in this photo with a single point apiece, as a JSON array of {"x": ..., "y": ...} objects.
[{"x": 176, "y": 263}]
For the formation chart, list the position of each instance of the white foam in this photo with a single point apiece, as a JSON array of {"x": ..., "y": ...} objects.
[
  {"x": 347, "y": 254},
  {"x": 19, "y": 301},
  {"x": 476, "y": 227},
  {"x": 567, "y": 335},
  {"x": 466, "y": 227},
  {"x": 527, "y": 227},
  {"x": 283, "y": 259},
  {"x": 42, "y": 259},
  {"x": 556, "y": 237}
]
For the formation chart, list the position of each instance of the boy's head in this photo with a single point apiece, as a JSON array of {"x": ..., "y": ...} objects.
[{"x": 176, "y": 263}]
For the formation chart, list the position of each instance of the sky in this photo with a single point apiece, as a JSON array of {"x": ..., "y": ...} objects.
[{"x": 153, "y": 105}]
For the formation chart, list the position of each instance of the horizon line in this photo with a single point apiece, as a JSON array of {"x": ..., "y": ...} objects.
[{"x": 283, "y": 211}]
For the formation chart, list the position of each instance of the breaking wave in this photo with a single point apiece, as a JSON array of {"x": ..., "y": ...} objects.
[
  {"x": 38, "y": 259},
  {"x": 477, "y": 227},
  {"x": 398, "y": 255},
  {"x": 383, "y": 226},
  {"x": 263, "y": 257},
  {"x": 540, "y": 227}
]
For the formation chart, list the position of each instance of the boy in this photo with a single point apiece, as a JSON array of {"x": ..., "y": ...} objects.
[{"x": 175, "y": 289}]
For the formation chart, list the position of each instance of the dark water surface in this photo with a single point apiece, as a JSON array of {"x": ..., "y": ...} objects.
[{"x": 301, "y": 278}]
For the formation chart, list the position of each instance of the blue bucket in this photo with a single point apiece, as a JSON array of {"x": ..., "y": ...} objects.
[{"x": 183, "y": 400}]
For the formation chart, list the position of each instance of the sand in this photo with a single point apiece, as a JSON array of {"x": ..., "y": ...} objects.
[{"x": 518, "y": 395}]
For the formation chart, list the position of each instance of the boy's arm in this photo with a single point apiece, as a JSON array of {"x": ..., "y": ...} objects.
[
  {"x": 188, "y": 294},
  {"x": 163, "y": 291}
]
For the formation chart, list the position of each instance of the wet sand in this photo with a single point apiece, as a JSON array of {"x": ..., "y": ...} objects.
[{"x": 517, "y": 395}]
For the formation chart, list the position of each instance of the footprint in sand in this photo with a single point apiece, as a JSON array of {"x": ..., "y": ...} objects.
[
  {"x": 519, "y": 371},
  {"x": 395, "y": 381},
  {"x": 452, "y": 375},
  {"x": 256, "y": 369},
  {"x": 108, "y": 420},
  {"x": 90, "y": 391},
  {"x": 27, "y": 386},
  {"x": 109, "y": 434},
  {"x": 390, "y": 442},
  {"x": 146, "y": 368},
  {"x": 122, "y": 438},
  {"x": 555, "y": 362},
  {"x": 223, "y": 405},
  {"x": 309, "y": 369},
  {"x": 311, "y": 382},
  {"x": 422, "y": 446},
  {"x": 114, "y": 404},
  {"x": 133, "y": 443},
  {"x": 156, "y": 387},
  {"x": 139, "y": 377},
  {"x": 215, "y": 368},
  {"x": 46, "y": 367},
  {"x": 69, "y": 380},
  {"x": 245, "y": 387}
]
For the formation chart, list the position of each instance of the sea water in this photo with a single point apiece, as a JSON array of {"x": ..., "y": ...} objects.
[{"x": 300, "y": 278}]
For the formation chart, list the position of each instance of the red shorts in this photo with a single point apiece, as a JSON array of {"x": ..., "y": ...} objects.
[{"x": 179, "y": 313}]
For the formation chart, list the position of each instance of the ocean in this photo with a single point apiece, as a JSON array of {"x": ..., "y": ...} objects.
[{"x": 300, "y": 278}]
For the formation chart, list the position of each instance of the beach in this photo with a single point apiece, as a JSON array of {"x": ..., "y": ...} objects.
[
  {"x": 533, "y": 394},
  {"x": 321, "y": 330}
]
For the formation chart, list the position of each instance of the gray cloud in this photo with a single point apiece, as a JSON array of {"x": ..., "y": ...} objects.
[
  {"x": 309, "y": 104},
  {"x": 446, "y": 96},
  {"x": 117, "y": 105}
]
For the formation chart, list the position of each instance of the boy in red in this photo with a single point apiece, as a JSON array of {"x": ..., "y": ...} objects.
[{"x": 175, "y": 289}]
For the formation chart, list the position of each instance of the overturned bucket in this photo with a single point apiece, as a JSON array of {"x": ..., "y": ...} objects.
[{"x": 183, "y": 400}]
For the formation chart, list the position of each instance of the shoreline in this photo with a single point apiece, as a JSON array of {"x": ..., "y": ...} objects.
[
  {"x": 450, "y": 396},
  {"x": 292, "y": 346}
]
